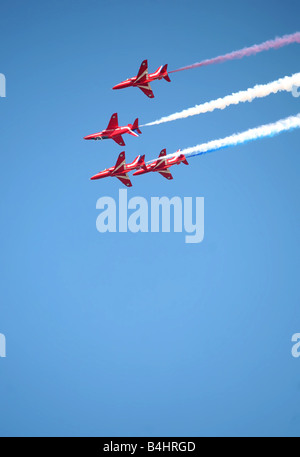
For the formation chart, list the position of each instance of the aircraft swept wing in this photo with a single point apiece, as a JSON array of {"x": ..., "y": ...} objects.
[
  {"x": 166, "y": 173},
  {"x": 113, "y": 123},
  {"x": 124, "y": 179},
  {"x": 141, "y": 80},
  {"x": 161, "y": 159},
  {"x": 146, "y": 88},
  {"x": 118, "y": 139},
  {"x": 120, "y": 164},
  {"x": 143, "y": 73}
]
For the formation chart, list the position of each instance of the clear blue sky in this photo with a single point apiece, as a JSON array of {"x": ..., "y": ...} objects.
[{"x": 142, "y": 334}]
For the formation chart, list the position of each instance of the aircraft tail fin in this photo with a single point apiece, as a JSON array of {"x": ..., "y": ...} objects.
[
  {"x": 183, "y": 159},
  {"x": 135, "y": 126},
  {"x": 164, "y": 73},
  {"x": 138, "y": 162},
  {"x": 141, "y": 162}
]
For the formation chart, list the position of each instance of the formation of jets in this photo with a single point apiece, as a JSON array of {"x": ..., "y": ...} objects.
[
  {"x": 121, "y": 169},
  {"x": 115, "y": 132}
]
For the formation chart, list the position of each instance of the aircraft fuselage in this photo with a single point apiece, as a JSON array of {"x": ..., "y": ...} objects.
[
  {"x": 132, "y": 81},
  {"x": 107, "y": 134}
]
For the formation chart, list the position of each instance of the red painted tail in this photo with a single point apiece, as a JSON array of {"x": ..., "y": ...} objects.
[
  {"x": 183, "y": 159},
  {"x": 135, "y": 126},
  {"x": 164, "y": 73},
  {"x": 137, "y": 163},
  {"x": 141, "y": 162}
]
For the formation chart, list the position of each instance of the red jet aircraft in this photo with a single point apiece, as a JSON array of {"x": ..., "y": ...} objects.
[
  {"x": 120, "y": 170},
  {"x": 115, "y": 132},
  {"x": 143, "y": 79},
  {"x": 161, "y": 165}
]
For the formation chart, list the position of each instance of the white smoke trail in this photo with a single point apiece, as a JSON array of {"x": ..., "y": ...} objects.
[
  {"x": 259, "y": 91},
  {"x": 263, "y": 131}
]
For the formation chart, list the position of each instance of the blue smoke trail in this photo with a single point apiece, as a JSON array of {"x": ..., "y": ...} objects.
[{"x": 264, "y": 131}]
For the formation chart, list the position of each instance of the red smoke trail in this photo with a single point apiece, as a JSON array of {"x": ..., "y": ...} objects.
[{"x": 252, "y": 50}]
